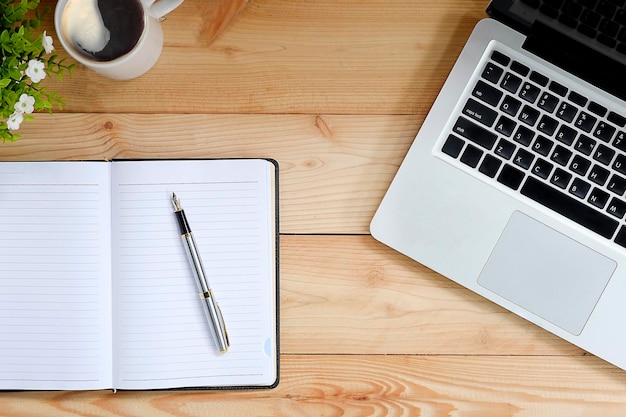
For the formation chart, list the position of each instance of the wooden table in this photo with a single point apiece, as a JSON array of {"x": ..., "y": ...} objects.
[{"x": 335, "y": 90}]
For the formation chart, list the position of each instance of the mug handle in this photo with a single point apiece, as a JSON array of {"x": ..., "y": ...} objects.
[{"x": 159, "y": 8}]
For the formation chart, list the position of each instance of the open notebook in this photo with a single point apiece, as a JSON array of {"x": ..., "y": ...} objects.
[{"x": 96, "y": 291}]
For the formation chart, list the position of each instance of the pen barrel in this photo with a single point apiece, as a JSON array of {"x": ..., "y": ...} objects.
[
  {"x": 214, "y": 316},
  {"x": 196, "y": 263},
  {"x": 210, "y": 307}
]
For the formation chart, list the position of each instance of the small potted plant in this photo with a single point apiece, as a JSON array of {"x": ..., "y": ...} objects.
[{"x": 26, "y": 59}]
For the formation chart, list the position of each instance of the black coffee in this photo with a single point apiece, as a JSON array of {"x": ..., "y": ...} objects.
[{"x": 105, "y": 30}]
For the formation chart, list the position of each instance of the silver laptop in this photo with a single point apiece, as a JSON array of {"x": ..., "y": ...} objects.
[{"x": 515, "y": 186}]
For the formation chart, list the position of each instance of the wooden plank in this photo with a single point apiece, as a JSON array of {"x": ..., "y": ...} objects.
[
  {"x": 353, "y": 295},
  {"x": 358, "y": 386},
  {"x": 334, "y": 169},
  {"x": 280, "y": 56},
  {"x": 217, "y": 17}
]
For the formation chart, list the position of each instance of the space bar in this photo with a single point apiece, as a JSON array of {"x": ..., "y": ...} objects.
[{"x": 569, "y": 207}]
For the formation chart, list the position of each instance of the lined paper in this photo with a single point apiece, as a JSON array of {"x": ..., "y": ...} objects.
[
  {"x": 96, "y": 290},
  {"x": 55, "y": 298},
  {"x": 162, "y": 337}
]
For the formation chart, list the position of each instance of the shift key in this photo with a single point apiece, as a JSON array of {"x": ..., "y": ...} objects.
[{"x": 475, "y": 133}]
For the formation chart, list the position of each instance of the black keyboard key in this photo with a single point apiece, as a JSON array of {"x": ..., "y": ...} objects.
[
  {"x": 604, "y": 154},
  {"x": 561, "y": 178},
  {"x": 608, "y": 32},
  {"x": 620, "y": 164},
  {"x": 580, "y": 165},
  {"x": 566, "y": 112},
  {"x": 523, "y": 158},
  {"x": 569, "y": 207},
  {"x": 524, "y": 136},
  {"x": 487, "y": 93},
  {"x": 580, "y": 188},
  {"x": 490, "y": 166},
  {"x": 609, "y": 28},
  {"x": 566, "y": 135},
  {"x": 570, "y": 21},
  {"x": 542, "y": 145},
  {"x": 520, "y": 68},
  {"x": 510, "y": 105},
  {"x": 480, "y": 112},
  {"x": 585, "y": 144},
  {"x": 620, "y": 16},
  {"x": 500, "y": 58},
  {"x": 529, "y": 92},
  {"x": 511, "y": 176},
  {"x": 604, "y": 131},
  {"x": 617, "y": 185},
  {"x": 590, "y": 18},
  {"x": 598, "y": 198},
  {"x": 538, "y": 78},
  {"x": 620, "y": 239},
  {"x": 475, "y": 133},
  {"x": 620, "y": 141},
  {"x": 471, "y": 156},
  {"x": 561, "y": 155},
  {"x": 606, "y": 8},
  {"x": 599, "y": 175},
  {"x": 606, "y": 40},
  {"x": 576, "y": 98},
  {"x": 597, "y": 109},
  {"x": 529, "y": 115},
  {"x": 587, "y": 31},
  {"x": 511, "y": 82},
  {"x": 585, "y": 122},
  {"x": 548, "y": 102},
  {"x": 557, "y": 88},
  {"x": 505, "y": 149},
  {"x": 505, "y": 126},
  {"x": 617, "y": 119},
  {"x": 542, "y": 168},
  {"x": 453, "y": 146},
  {"x": 492, "y": 72},
  {"x": 616, "y": 208},
  {"x": 547, "y": 125},
  {"x": 572, "y": 9}
]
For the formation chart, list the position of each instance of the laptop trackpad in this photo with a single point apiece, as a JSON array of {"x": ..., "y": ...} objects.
[{"x": 546, "y": 273}]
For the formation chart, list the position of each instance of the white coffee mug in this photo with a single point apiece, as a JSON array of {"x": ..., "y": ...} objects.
[{"x": 81, "y": 30}]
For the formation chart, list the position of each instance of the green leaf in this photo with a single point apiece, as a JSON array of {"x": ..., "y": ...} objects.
[{"x": 21, "y": 38}]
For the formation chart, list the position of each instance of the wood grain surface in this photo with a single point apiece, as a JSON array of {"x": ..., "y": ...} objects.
[{"x": 335, "y": 91}]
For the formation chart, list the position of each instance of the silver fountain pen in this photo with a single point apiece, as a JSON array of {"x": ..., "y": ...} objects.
[{"x": 211, "y": 308}]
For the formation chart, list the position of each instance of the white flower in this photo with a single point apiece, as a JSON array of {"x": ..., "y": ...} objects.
[
  {"x": 46, "y": 42},
  {"x": 26, "y": 104},
  {"x": 15, "y": 120},
  {"x": 36, "y": 70}
]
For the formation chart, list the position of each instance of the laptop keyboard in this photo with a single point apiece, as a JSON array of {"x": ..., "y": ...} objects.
[
  {"x": 602, "y": 20},
  {"x": 547, "y": 142}
]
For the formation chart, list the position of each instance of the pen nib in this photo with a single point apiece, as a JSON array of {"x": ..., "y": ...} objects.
[{"x": 176, "y": 202}]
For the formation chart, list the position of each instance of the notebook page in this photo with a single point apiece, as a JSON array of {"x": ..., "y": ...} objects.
[
  {"x": 55, "y": 319},
  {"x": 162, "y": 335}
]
